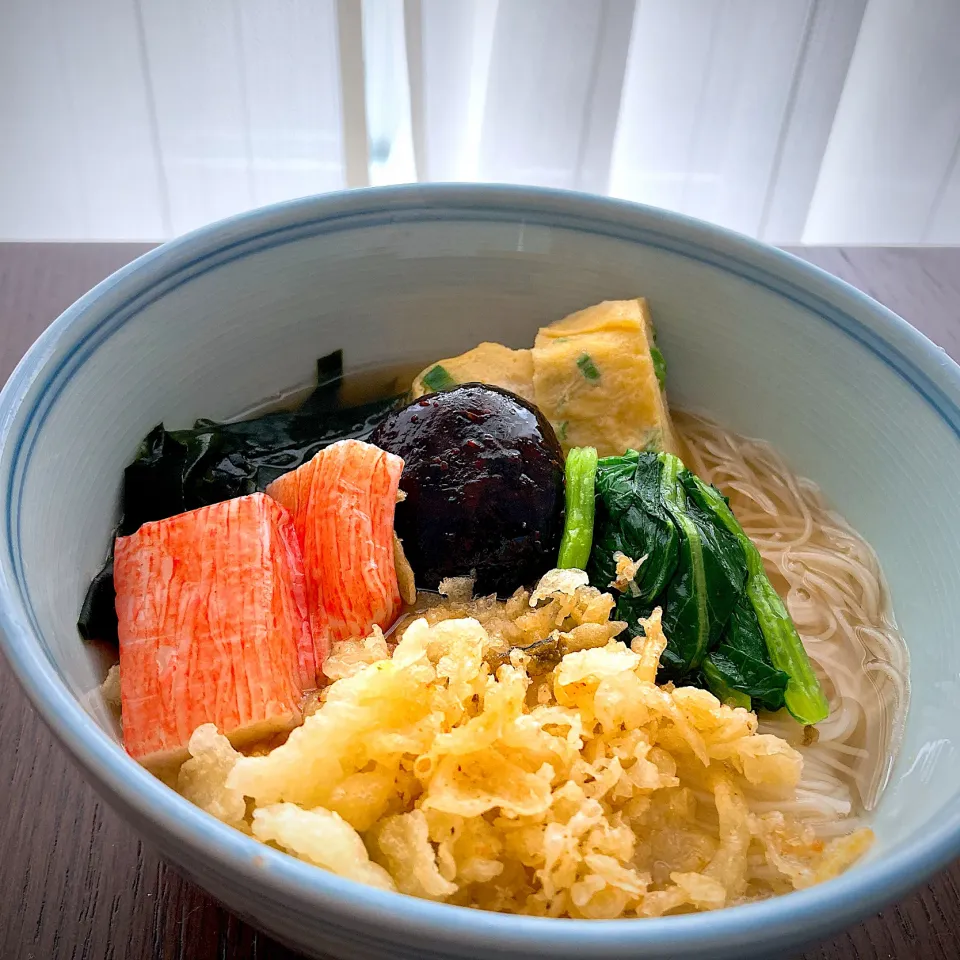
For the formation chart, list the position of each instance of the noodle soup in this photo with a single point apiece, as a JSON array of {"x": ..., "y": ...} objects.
[
  {"x": 836, "y": 594},
  {"x": 513, "y": 636}
]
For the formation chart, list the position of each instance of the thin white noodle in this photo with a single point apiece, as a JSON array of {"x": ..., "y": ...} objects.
[
  {"x": 845, "y": 748},
  {"x": 835, "y": 592}
]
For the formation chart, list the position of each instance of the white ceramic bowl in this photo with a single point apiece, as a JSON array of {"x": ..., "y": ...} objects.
[{"x": 213, "y": 322}]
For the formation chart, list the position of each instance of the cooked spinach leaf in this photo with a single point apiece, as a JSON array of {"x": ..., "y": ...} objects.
[
  {"x": 803, "y": 696},
  {"x": 710, "y": 575},
  {"x": 179, "y": 470},
  {"x": 693, "y": 570},
  {"x": 742, "y": 662},
  {"x": 716, "y": 682},
  {"x": 630, "y": 518},
  {"x": 722, "y": 618}
]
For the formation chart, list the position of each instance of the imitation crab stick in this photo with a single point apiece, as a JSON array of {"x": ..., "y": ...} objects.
[
  {"x": 342, "y": 502},
  {"x": 213, "y": 627}
]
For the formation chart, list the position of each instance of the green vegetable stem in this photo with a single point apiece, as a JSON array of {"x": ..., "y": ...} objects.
[
  {"x": 804, "y": 697},
  {"x": 691, "y": 592},
  {"x": 581, "y": 472}
]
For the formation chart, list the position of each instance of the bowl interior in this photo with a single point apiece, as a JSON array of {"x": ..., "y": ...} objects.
[{"x": 209, "y": 334}]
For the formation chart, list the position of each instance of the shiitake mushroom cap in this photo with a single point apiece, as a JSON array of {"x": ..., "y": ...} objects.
[{"x": 483, "y": 478}]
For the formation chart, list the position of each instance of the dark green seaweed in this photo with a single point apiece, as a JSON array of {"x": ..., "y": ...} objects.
[
  {"x": 179, "y": 470},
  {"x": 98, "y": 615}
]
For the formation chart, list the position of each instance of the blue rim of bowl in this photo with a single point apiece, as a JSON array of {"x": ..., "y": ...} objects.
[{"x": 791, "y": 918}]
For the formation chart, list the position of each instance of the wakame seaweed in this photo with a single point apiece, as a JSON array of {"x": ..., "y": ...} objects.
[
  {"x": 696, "y": 570},
  {"x": 179, "y": 470}
]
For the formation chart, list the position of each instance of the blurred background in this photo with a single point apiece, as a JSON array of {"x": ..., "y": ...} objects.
[{"x": 796, "y": 121}]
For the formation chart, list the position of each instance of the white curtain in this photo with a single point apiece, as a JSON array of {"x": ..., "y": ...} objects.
[{"x": 819, "y": 121}]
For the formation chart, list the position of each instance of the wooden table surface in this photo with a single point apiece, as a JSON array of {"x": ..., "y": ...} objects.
[{"x": 74, "y": 879}]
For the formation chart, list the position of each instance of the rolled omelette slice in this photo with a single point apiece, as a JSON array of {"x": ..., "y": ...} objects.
[
  {"x": 594, "y": 375},
  {"x": 595, "y": 379},
  {"x": 491, "y": 363}
]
